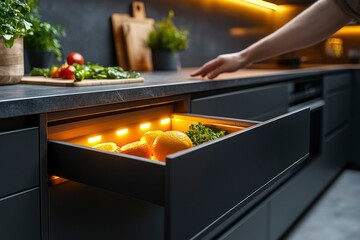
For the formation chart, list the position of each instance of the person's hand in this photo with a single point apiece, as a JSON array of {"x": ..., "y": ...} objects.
[{"x": 223, "y": 63}]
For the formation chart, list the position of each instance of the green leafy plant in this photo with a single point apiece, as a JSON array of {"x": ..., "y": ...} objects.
[
  {"x": 12, "y": 21},
  {"x": 43, "y": 35},
  {"x": 199, "y": 133},
  {"x": 166, "y": 36}
]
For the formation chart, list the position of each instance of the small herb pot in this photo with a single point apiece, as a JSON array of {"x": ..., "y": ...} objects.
[
  {"x": 39, "y": 59},
  {"x": 165, "y": 60}
]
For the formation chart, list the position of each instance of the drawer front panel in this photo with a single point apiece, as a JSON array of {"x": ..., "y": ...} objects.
[
  {"x": 337, "y": 152},
  {"x": 207, "y": 183},
  {"x": 19, "y": 163},
  {"x": 20, "y": 216},
  {"x": 337, "y": 110},
  {"x": 333, "y": 82},
  {"x": 253, "y": 226},
  {"x": 287, "y": 204},
  {"x": 255, "y": 104},
  {"x": 133, "y": 177},
  {"x": 200, "y": 185}
]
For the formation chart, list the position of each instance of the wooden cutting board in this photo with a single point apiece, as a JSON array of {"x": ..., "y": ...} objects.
[
  {"x": 130, "y": 34},
  {"x": 71, "y": 83}
]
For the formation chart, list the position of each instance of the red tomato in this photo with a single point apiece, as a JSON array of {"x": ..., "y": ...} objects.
[
  {"x": 75, "y": 57},
  {"x": 68, "y": 72}
]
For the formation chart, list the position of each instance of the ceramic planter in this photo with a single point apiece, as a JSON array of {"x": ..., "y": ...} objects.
[
  {"x": 165, "y": 60},
  {"x": 39, "y": 59}
]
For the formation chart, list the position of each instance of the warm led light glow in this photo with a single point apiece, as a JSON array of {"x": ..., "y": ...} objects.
[
  {"x": 349, "y": 30},
  {"x": 264, "y": 4},
  {"x": 94, "y": 139},
  {"x": 165, "y": 121},
  {"x": 122, "y": 131},
  {"x": 145, "y": 126}
]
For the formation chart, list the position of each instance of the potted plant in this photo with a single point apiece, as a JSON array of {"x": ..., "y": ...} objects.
[
  {"x": 165, "y": 41},
  {"x": 13, "y": 26},
  {"x": 42, "y": 42}
]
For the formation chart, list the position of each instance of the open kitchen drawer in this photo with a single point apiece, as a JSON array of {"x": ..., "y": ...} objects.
[{"x": 196, "y": 186}]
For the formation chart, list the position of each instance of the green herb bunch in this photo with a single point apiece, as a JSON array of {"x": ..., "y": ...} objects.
[
  {"x": 199, "y": 133},
  {"x": 90, "y": 71},
  {"x": 12, "y": 20},
  {"x": 43, "y": 35},
  {"x": 166, "y": 36}
]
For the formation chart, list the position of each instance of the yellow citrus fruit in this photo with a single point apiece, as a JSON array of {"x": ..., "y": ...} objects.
[
  {"x": 170, "y": 142},
  {"x": 138, "y": 148},
  {"x": 150, "y": 137},
  {"x": 107, "y": 146}
]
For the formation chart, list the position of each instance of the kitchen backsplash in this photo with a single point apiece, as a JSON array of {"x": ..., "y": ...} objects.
[{"x": 216, "y": 26}]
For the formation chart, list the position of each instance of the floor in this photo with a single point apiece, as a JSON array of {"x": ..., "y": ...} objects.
[{"x": 336, "y": 215}]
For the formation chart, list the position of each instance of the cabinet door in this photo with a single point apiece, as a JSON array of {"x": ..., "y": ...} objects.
[
  {"x": 253, "y": 226},
  {"x": 20, "y": 216},
  {"x": 19, "y": 162},
  {"x": 256, "y": 104}
]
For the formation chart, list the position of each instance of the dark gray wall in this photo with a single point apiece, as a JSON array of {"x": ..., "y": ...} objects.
[{"x": 89, "y": 31}]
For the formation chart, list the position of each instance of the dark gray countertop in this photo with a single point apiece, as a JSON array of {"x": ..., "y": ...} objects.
[{"x": 24, "y": 99}]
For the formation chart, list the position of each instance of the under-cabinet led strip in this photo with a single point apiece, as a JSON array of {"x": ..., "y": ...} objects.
[{"x": 264, "y": 4}]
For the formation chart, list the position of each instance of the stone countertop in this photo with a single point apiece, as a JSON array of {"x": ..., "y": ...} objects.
[{"x": 25, "y": 99}]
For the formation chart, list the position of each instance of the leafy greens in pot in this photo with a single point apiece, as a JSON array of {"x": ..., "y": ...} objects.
[{"x": 12, "y": 21}]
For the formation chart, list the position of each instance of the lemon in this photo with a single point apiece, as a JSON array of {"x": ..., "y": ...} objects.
[
  {"x": 170, "y": 142},
  {"x": 107, "y": 146},
  {"x": 138, "y": 148},
  {"x": 150, "y": 136}
]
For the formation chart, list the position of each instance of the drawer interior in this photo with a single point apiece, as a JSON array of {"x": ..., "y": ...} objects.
[{"x": 130, "y": 126}]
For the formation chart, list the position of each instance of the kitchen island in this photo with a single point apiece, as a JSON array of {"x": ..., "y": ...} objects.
[{"x": 267, "y": 201}]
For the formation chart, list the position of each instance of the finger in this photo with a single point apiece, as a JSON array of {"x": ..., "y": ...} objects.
[
  {"x": 207, "y": 67},
  {"x": 213, "y": 74}
]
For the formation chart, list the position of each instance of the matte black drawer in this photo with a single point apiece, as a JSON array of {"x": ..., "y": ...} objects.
[
  {"x": 254, "y": 226},
  {"x": 256, "y": 104},
  {"x": 19, "y": 162},
  {"x": 20, "y": 216},
  {"x": 200, "y": 185},
  {"x": 337, "y": 110},
  {"x": 337, "y": 81}
]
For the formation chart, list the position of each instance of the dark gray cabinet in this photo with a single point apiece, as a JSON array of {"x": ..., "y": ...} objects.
[
  {"x": 355, "y": 120},
  {"x": 260, "y": 103},
  {"x": 253, "y": 226},
  {"x": 20, "y": 216},
  {"x": 337, "y": 116},
  {"x": 329, "y": 150},
  {"x": 19, "y": 184},
  {"x": 198, "y": 187},
  {"x": 19, "y": 163}
]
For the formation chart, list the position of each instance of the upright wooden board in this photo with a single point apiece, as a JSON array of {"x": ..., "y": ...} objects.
[
  {"x": 71, "y": 83},
  {"x": 130, "y": 34},
  {"x": 117, "y": 20},
  {"x": 136, "y": 33}
]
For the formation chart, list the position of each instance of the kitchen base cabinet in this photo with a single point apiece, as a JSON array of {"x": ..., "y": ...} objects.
[
  {"x": 19, "y": 161},
  {"x": 336, "y": 153},
  {"x": 196, "y": 188},
  {"x": 253, "y": 226},
  {"x": 20, "y": 216},
  {"x": 260, "y": 103},
  {"x": 78, "y": 212},
  {"x": 289, "y": 201}
]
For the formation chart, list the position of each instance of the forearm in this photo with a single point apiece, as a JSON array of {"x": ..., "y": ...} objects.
[{"x": 315, "y": 24}]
